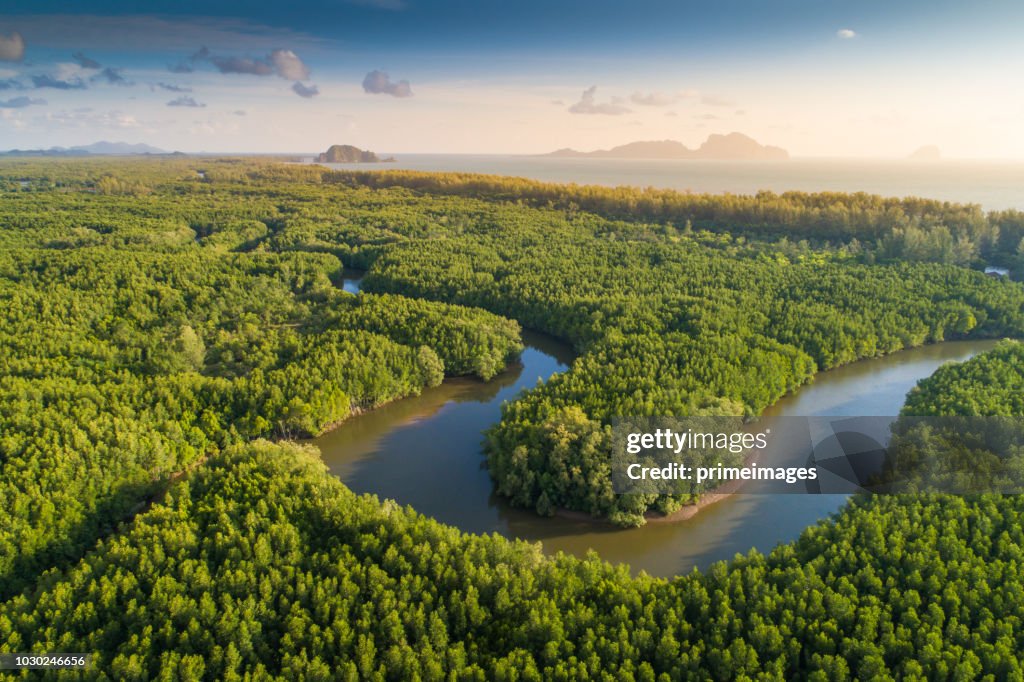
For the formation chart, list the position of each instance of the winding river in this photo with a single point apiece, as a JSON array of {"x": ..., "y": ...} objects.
[{"x": 425, "y": 452}]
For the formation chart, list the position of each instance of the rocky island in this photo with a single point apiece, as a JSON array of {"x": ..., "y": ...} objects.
[
  {"x": 346, "y": 153},
  {"x": 734, "y": 146}
]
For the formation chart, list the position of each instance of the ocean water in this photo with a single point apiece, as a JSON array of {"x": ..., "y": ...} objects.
[{"x": 995, "y": 185}]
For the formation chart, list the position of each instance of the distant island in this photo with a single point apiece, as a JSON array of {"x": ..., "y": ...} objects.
[
  {"x": 928, "y": 152},
  {"x": 734, "y": 146},
  {"x": 346, "y": 153},
  {"x": 103, "y": 148}
]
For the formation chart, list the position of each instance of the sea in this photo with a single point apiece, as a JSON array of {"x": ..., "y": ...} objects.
[{"x": 994, "y": 185}]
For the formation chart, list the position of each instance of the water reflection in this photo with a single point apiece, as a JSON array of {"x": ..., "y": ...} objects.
[
  {"x": 352, "y": 280},
  {"x": 425, "y": 451}
]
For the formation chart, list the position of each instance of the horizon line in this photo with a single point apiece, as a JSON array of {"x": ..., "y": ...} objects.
[{"x": 13, "y": 152}]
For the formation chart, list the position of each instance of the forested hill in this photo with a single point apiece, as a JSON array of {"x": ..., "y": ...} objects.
[{"x": 260, "y": 564}]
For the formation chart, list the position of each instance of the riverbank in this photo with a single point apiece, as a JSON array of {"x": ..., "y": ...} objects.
[
  {"x": 360, "y": 411},
  {"x": 425, "y": 451}
]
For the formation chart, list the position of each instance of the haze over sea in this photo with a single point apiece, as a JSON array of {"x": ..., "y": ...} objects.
[{"x": 995, "y": 185}]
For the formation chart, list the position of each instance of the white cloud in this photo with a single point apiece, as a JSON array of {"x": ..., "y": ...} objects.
[
  {"x": 282, "y": 63},
  {"x": 589, "y": 105},
  {"x": 846, "y": 33},
  {"x": 288, "y": 65}
]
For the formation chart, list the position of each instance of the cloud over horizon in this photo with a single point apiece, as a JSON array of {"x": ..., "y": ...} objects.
[
  {"x": 288, "y": 65},
  {"x": 306, "y": 91},
  {"x": 589, "y": 105},
  {"x": 79, "y": 75},
  {"x": 242, "y": 65},
  {"x": 379, "y": 83},
  {"x": 279, "y": 62},
  {"x": 185, "y": 101},
  {"x": 846, "y": 33}
]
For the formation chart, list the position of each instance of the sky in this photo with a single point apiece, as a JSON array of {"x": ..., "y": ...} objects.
[{"x": 832, "y": 78}]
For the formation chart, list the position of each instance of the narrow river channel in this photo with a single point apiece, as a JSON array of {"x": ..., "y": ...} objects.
[{"x": 426, "y": 452}]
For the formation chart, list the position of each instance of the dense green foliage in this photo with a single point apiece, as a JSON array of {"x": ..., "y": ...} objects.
[
  {"x": 157, "y": 320},
  {"x": 260, "y": 564},
  {"x": 961, "y": 431},
  {"x": 672, "y": 326},
  {"x": 910, "y": 228},
  {"x": 669, "y": 322},
  {"x": 991, "y": 384},
  {"x": 130, "y": 357}
]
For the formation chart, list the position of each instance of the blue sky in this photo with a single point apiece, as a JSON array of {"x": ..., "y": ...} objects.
[{"x": 824, "y": 77}]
